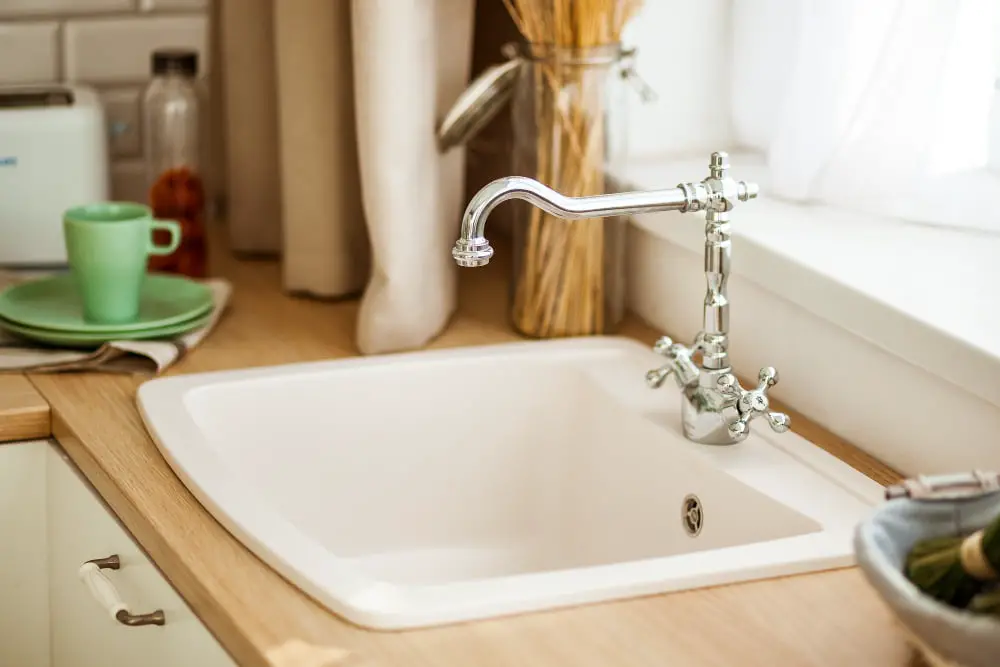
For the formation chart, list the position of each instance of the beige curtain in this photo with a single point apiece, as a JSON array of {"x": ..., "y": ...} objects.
[
  {"x": 331, "y": 107},
  {"x": 249, "y": 124}
]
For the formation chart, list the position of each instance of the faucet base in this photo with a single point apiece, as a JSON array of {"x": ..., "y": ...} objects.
[{"x": 707, "y": 412}]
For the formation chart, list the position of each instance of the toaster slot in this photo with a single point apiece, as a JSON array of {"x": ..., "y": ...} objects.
[{"x": 35, "y": 97}]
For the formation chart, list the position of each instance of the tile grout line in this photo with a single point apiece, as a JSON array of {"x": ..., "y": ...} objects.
[
  {"x": 40, "y": 17},
  {"x": 61, "y": 52},
  {"x": 134, "y": 13}
]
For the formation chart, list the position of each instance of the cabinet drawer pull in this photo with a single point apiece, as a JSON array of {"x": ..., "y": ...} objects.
[{"x": 104, "y": 591}]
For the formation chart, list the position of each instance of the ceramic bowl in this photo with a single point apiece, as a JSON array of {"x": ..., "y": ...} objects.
[{"x": 945, "y": 635}]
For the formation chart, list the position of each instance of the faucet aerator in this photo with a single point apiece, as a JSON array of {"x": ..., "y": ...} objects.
[
  {"x": 471, "y": 253},
  {"x": 471, "y": 262}
]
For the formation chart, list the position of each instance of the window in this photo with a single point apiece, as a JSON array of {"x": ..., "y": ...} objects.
[{"x": 884, "y": 107}]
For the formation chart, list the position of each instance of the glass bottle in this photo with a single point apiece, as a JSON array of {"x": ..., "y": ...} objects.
[
  {"x": 568, "y": 122},
  {"x": 173, "y": 126}
]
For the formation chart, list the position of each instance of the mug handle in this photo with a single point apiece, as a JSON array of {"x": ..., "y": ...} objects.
[{"x": 175, "y": 237}]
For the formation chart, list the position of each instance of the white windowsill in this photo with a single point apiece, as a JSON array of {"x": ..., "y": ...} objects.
[{"x": 929, "y": 296}]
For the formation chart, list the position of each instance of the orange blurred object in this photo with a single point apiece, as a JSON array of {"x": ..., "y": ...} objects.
[{"x": 179, "y": 195}]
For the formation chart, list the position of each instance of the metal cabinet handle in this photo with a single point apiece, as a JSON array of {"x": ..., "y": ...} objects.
[{"x": 104, "y": 591}]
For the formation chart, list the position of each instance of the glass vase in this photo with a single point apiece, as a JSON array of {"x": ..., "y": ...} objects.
[{"x": 568, "y": 131}]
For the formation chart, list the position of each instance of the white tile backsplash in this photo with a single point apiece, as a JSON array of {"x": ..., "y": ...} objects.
[
  {"x": 14, "y": 8},
  {"x": 121, "y": 108},
  {"x": 118, "y": 50},
  {"x": 107, "y": 44},
  {"x": 28, "y": 52}
]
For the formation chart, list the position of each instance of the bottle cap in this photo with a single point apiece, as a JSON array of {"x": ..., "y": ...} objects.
[{"x": 175, "y": 61}]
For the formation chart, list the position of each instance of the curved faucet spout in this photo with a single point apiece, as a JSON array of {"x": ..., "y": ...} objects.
[{"x": 472, "y": 248}]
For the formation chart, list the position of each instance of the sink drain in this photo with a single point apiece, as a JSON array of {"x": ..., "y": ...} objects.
[{"x": 692, "y": 516}]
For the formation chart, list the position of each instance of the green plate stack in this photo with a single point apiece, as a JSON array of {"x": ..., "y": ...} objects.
[{"x": 49, "y": 311}]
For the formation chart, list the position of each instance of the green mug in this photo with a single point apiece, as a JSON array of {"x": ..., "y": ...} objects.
[{"x": 108, "y": 246}]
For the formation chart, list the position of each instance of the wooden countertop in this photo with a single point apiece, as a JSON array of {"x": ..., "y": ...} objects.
[
  {"x": 830, "y": 618},
  {"x": 24, "y": 414}
]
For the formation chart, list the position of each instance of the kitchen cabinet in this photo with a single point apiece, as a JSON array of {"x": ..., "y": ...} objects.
[
  {"x": 24, "y": 602},
  {"x": 53, "y": 522}
]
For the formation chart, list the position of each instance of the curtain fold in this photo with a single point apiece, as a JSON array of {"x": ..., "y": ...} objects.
[
  {"x": 325, "y": 243},
  {"x": 332, "y": 152},
  {"x": 253, "y": 192}
]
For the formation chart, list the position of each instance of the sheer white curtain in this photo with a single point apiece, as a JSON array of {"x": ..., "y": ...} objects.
[{"x": 879, "y": 105}]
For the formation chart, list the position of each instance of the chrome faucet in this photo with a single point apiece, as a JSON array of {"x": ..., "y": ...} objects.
[{"x": 715, "y": 408}]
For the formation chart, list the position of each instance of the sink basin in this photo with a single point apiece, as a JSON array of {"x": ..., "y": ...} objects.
[{"x": 425, "y": 488}]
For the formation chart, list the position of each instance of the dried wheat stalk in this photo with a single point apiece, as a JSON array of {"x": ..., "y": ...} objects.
[{"x": 559, "y": 289}]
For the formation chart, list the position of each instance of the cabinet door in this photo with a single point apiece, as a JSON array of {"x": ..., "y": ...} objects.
[
  {"x": 24, "y": 591},
  {"x": 83, "y": 634}
]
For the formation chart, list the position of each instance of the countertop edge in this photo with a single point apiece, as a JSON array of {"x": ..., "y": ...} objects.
[{"x": 24, "y": 413}]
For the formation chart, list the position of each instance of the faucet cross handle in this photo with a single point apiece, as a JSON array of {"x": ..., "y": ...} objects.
[
  {"x": 754, "y": 402},
  {"x": 679, "y": 364}
]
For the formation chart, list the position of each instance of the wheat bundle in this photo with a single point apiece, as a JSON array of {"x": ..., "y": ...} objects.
[{"x": 560, "y": 281}]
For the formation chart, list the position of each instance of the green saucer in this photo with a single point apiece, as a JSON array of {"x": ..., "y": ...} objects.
[
  {"x": 54, "y": 304},
  {"x": 77, "y": 339}
]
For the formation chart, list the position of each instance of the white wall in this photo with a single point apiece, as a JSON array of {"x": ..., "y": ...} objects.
[
  {"x": 683, "y": 53},
  {"x": 996, "y": 45},
  {"x": 995, "y": 124}
]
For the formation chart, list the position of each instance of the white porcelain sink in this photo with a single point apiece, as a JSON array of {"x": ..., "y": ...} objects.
[{"x": 418, "y": 489}]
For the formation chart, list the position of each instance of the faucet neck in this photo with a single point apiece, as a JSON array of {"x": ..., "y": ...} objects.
[{"x": 714, "y": 338}]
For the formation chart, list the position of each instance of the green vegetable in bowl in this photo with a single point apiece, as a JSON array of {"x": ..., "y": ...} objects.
[
  {"x": 955, "y": 570},
  {"x": 987, "y": 602}
]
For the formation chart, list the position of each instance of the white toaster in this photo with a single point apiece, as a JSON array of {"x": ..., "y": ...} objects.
[{"x": 53, "y": 156}]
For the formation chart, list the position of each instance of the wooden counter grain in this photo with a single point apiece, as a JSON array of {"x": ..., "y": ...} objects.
[
  {"x": 24, "y": 414},
  {"x": 821, "y": 619}
]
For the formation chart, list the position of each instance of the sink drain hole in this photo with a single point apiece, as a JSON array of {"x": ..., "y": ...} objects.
[{"x": 692, "y": 515}]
